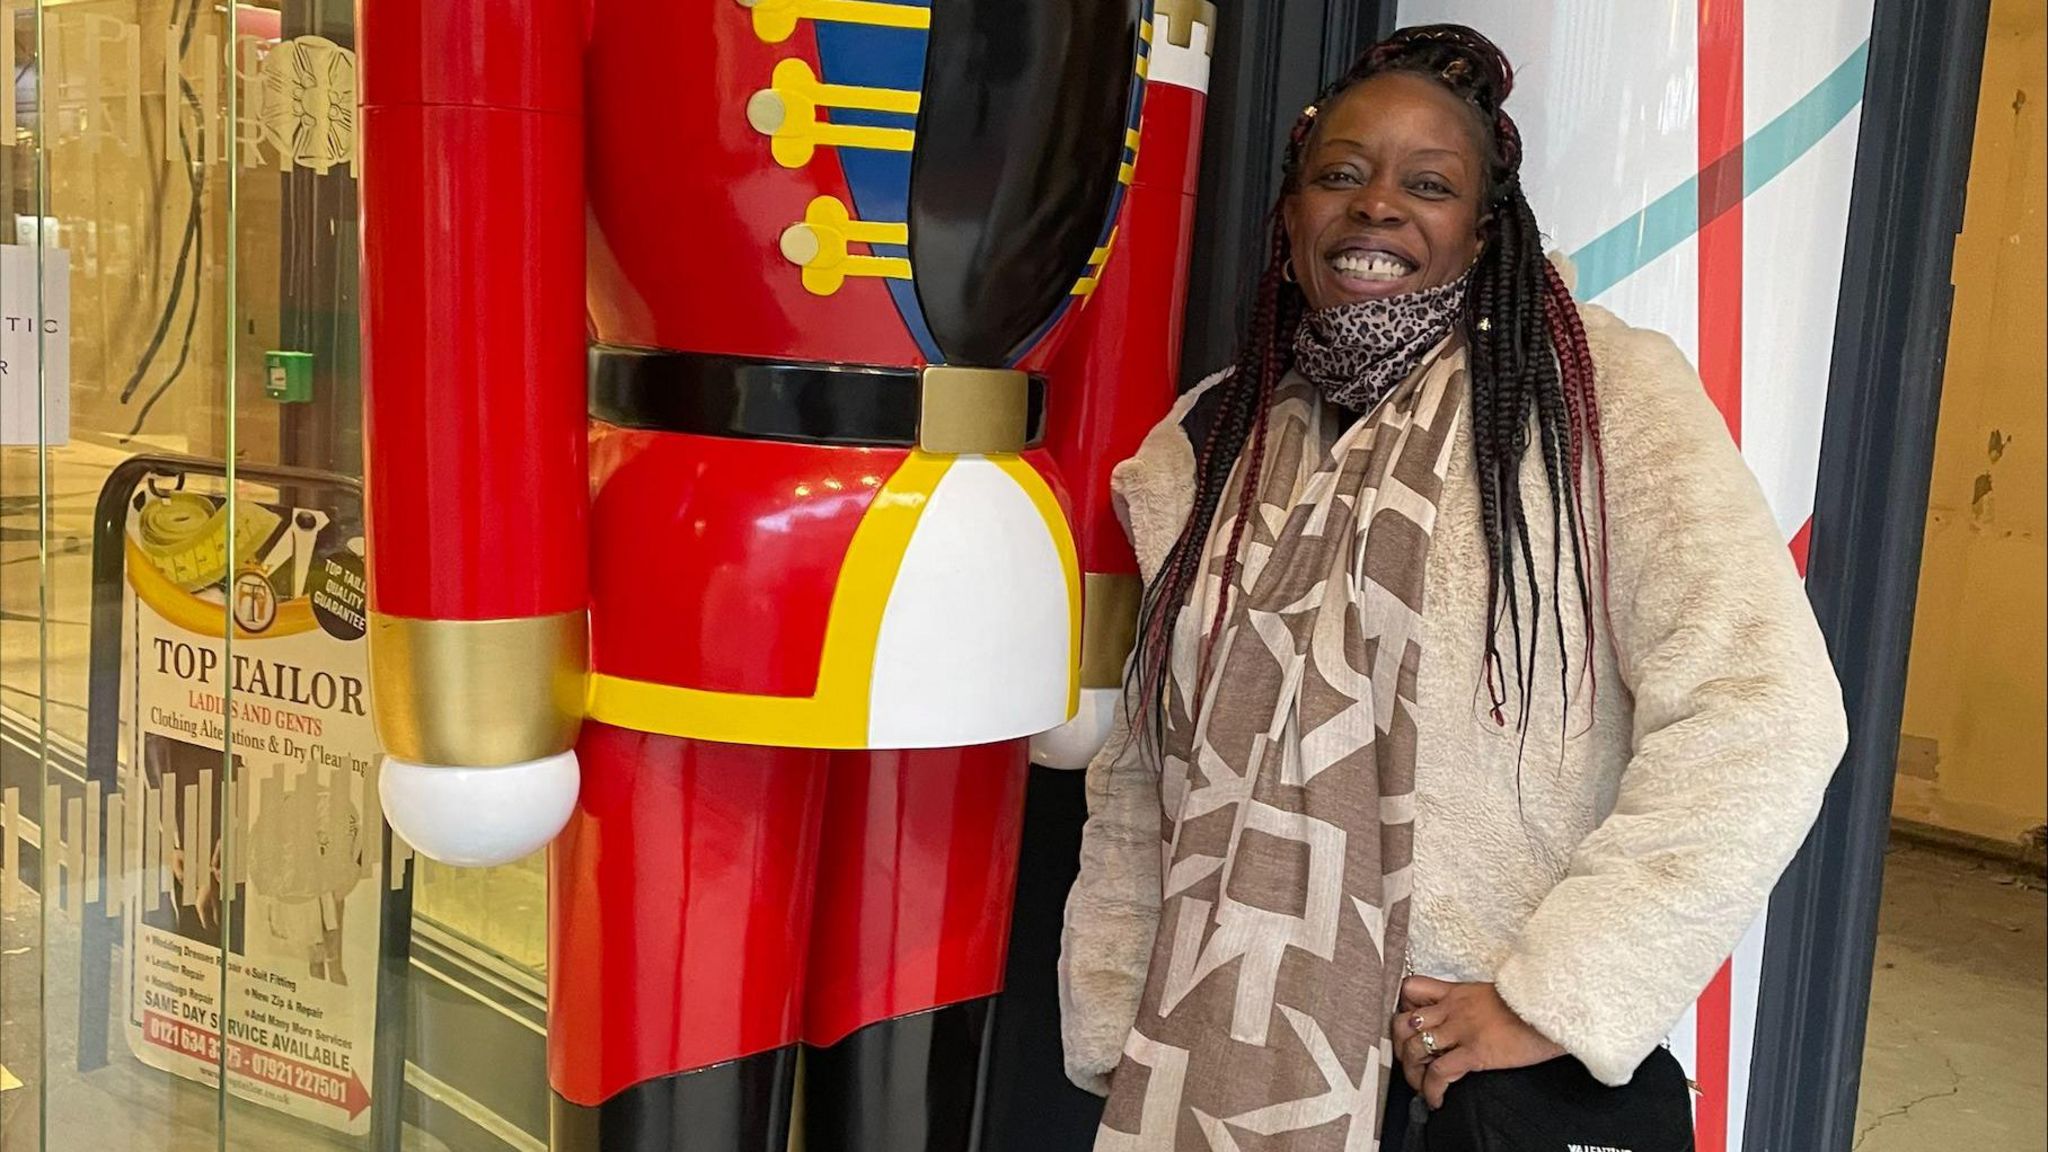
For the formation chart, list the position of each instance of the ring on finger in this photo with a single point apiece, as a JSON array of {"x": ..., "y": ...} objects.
[{"x": 1429, "y": 1044}]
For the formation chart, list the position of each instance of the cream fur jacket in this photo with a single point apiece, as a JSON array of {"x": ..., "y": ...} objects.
[{"x": 1600, "y": 878}]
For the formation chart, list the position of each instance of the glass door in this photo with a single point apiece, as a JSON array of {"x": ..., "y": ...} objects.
[{"x": 210, "y": 938}]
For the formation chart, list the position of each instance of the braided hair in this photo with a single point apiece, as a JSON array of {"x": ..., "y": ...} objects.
[{"x": 1532, "y": 387}]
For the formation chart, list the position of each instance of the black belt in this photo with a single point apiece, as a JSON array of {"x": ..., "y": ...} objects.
[{"x": 747, "y": 399}]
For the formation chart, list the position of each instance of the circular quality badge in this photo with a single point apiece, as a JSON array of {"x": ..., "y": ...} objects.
[{"x": 341, "y": 595}]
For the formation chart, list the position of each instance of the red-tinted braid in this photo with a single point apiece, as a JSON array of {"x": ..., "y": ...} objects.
[
  {"x": 1575, "y": 363},
  {"x": 1247, "y": 498},
  {"x": 1589, "y": 394},
  {"x": 1575, "y": 370}
]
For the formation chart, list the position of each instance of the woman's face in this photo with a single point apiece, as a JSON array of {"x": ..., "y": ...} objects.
[{"x": 1389, "y": 201}]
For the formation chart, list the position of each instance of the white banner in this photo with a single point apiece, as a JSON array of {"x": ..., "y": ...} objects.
[{"x": 35, "y": 341}]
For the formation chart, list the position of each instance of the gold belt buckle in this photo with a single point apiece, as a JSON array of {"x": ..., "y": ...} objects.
[{"x": 973, "y": 411}]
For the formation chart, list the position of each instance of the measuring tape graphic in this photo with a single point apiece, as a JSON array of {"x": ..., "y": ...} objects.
[
  {"x": 185, "y": 536},
  {"x": 178, "y": 545}
]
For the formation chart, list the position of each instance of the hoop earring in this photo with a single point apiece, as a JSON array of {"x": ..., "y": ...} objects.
[{"x": 1287, "y": 271}]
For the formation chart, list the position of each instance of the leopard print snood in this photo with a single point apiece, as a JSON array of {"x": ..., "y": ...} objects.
[{"x": 1356, "y": 353}]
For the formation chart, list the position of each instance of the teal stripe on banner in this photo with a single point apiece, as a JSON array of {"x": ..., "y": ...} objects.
[{"x": 1626, "y": 248}]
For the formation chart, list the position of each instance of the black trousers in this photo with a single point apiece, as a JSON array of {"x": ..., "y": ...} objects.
[
  {"x": 1400, "y": 1100},
  {"x": 1552, "y": 1105}
]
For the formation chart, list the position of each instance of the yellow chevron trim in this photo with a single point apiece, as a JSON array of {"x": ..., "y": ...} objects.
[
  {"x": 1086, "y": 285},
  {"x": 787, "y": 113},
  {"x": 776, "y": 20}
]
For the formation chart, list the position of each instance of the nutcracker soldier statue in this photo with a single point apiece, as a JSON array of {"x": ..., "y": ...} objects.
[{"x": 754, "y": 587}]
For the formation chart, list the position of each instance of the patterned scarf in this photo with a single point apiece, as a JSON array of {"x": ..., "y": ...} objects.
[
  {"x": 1355, "y": 353},
  {"x": 1288, "y": 792}
]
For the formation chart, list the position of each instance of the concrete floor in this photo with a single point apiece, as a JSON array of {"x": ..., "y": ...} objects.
[
  {"x": 1958, "y": 1030},
  {"x": 1957, "y": 1044}
]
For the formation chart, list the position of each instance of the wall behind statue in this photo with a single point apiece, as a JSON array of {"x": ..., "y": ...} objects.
[{"x": 1975, "y": 739}]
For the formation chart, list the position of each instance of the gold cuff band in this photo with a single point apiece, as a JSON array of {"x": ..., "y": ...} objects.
[
  {"x": 1109, "y": 627},
  {"x": 974, "y": 411},
  {"x": 477, "y": 693}
]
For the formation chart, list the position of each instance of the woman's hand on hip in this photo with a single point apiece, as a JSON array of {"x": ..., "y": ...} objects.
[{"x": 1447, "y": 1031}]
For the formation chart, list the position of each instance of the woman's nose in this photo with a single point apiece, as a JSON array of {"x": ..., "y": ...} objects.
[{"x": 1376, "y": 203}]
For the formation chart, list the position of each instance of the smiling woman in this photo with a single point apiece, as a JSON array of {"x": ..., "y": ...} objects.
[
  {"x": 1393, "y": 187},
  {"x": 1477, "y": 705}
]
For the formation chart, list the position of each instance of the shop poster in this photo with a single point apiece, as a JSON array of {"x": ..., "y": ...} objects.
[{"x": 295, "y": 843}]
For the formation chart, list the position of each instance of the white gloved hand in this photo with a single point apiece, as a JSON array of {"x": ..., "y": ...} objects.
[
  {"x": 479, "y": 817},
  {"x": 1072, "y": 745}
]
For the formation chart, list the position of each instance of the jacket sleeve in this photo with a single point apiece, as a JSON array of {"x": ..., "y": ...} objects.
[
  {"x": 1738, "y": 726},
  {"x": 1113, "y": 908},
  {"x": 1112, "y": 912},
  {"x": 473, "y": 377}
]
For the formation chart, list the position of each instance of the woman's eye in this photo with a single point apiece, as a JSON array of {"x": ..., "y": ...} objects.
[
  {"x": 1339, "y": 177},
  {"x": 1430, "y": 187}
]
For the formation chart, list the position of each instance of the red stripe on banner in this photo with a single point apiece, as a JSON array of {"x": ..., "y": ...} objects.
[
  {"x": 1720, "y": 324},
  {"x": 1802, "y": 544},
  {"x": 1720, "y": 206},
  {"x": 1716, "y": 1007}
]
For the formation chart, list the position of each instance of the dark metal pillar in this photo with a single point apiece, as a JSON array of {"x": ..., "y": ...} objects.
[{"x": 1877, "y": 456}]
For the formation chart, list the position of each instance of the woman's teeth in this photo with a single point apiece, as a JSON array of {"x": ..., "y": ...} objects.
[{"x": 1371, "y": 266}]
